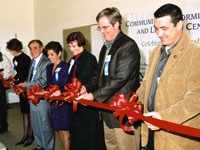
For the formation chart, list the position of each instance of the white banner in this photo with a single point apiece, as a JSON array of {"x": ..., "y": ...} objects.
[{"x": 140, "y": 27}]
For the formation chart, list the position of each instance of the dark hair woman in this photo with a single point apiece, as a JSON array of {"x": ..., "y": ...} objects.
[
  {"x": 57, "y": 74},
  {"x": 87, "y": 129},
  {"x": 21, "y": 63}
]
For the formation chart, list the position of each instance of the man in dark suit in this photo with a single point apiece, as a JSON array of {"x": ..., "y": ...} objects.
[
  {"x": 118, "y": 71},
  {"x": 40, "y": 113}
]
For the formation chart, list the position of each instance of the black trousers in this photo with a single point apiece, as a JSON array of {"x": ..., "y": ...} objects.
[
  {"x": 150, "y": 145},
  {"x": 3, "y": 107}
]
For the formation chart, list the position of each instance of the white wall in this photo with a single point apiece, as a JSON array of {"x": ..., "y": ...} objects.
[
  {"x": 16, "y": 20},
  {"x": 52, "y": 16},
  {"x": 46, "y": 19}
]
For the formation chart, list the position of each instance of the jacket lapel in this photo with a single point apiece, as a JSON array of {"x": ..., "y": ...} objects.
[
  {"x": 152, "y": 68},
  {"x": 101, "y": 63},
  {"x": 29, "y": 72},
  {"x": 175, "y": 55},
  {"x": 115, "y": 43}
]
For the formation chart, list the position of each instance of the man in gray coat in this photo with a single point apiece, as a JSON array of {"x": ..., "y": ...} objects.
[{"x": 40, "y": 113}]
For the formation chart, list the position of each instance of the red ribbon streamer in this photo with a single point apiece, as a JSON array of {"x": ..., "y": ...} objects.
[
  {"x": 31, "y": 93},
  {"x": 50, "y": 90},
  {"x": 7, "y": 83},
  {"x": 72, "y": 91},
  {"x": 169, "y": 126},
  {"x": 133, "y": 110},
  {"x": 120, "y": 105},
  {"x": 10, "y": 84}
]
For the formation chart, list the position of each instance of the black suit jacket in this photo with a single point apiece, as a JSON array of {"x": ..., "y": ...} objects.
[
  {"x": 86, "y": 64},
  {"x": 86, "y": 129},
  {"x": 123, "y": 74}
]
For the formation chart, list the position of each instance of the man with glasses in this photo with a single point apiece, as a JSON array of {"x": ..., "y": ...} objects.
[{"x": 118, "y": 71}]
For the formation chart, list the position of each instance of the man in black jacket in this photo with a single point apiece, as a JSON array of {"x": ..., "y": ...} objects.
[{"x": 118, "y": 71}]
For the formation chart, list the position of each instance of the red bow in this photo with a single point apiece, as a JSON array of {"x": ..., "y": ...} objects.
[
  {"x": 50, "y": 90},
  {"x": 10, "y": 83},
  {"x": 72, "y": 91},
  {"x": 31, "y": 93},
  {"x": 123, "y": 105},
  {"x": 7, "y": 83}
]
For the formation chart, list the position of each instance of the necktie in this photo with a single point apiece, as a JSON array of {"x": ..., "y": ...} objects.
[{"x": 33, "y": 70}]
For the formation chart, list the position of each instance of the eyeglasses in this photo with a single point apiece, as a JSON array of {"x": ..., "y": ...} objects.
[{"x": 103, "y": 28}]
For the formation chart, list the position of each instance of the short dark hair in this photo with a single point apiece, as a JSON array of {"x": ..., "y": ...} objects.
[
  {"x": 76, "y": 36},
  {"x": 113, "y": 15},
  {"x": 14, "y": 44},
  {"x": 55, "y": 46},
  {"x": 172, "y": 10},
  {"x": 35, "y": 40}
]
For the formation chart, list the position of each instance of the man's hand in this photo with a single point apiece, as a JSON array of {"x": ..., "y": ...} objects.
[
  {"x": 57, "y": 93},
  {"x": 42, "y": 92},
  {"x": 86, "y": 96},
  {"x": 153, "y": 115},
  {"x": 23, "y": 85},
  {"x": 83, "y": 90}
]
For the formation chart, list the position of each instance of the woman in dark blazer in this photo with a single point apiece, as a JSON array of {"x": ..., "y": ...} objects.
[
  {"x": 87, "y": 128},
  {"x": 21, "y": 63},
  {"x": 57, "y": 74}
]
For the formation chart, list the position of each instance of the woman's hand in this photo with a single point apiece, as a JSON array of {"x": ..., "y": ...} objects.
[
  {"x": 42, "y": 92},
  {"x": 86, "y": 96},
  {"x": 57, "y": 93}
]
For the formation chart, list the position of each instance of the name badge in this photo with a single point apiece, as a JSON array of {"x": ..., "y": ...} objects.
[
  {"x": 158, "y": 80},
  {"x": 58, "y": 69},
  {"x": 56, "y": 73},
  {"x": 34, "y": 71},
  {"x": 15, "y": 64},
  {"x": 108, "y": 58},
  {"x": 71, "y": 64}
]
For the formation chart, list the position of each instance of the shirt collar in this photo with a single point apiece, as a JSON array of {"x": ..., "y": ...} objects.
[
  {"x": 38, "y": 59},
  {"x": 109, "y": 44},
  {"x": 168, "y": 50}
]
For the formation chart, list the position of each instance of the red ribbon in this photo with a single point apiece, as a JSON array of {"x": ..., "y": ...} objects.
[
  {"x": 50, "y": 90},
  {"x": 72, "y": 91},
  {"x": 133, "y": 110},
  {"x": 124, "y": 105},
  {"x": 120, "y": 105},
  {"x": 31, "y": 93},
  {"x": 10, "y": 84},
  {"x": 7, "y": 83}
]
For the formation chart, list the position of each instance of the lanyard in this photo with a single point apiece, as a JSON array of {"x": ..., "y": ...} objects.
[{"x": 56, "y": 73}]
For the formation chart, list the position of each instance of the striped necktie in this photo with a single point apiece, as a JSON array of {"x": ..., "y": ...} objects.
[{"x": 32, "y": 70}]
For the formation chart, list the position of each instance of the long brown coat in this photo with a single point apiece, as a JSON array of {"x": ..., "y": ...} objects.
[{"x": 178, "y": 94}]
